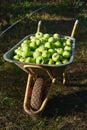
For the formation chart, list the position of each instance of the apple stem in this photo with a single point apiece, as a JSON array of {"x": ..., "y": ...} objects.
[
  {"x": 39, "y": 24},
  {"x": 74, "y": 28}
]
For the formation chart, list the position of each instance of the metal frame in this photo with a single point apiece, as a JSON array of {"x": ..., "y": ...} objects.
[{"x": 26, "y": 104}]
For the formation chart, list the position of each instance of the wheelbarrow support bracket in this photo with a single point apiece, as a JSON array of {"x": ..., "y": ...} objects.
[{"x": 26, "y": 104}]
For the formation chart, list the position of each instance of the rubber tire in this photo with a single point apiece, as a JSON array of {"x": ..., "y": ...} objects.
[{"x": 37, "y": 94}]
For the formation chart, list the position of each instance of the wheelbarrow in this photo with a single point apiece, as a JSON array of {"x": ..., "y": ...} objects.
[{"x": 37, "y": 93}]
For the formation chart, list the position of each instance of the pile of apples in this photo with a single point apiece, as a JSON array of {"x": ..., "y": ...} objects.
[{"x": 44, "y": 49}]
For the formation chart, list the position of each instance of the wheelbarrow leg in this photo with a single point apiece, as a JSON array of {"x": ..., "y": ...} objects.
[
  {"x": 64, "y": 78},
  {"x": 26, "y": 98}
]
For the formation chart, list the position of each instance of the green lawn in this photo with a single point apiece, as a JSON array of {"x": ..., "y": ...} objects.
[{"x": 67, "y": 105}]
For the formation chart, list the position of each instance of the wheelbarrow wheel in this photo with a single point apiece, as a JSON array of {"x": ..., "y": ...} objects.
[{"x": 37, "y": 94}]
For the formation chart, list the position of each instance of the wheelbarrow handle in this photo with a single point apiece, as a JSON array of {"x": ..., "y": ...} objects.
[
  {"x": 74, "y": 28},
  {"x": 39, "y": 25}
]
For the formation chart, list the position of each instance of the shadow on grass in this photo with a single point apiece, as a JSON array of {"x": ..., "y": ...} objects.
[
  {"x": 79, "y": 80},
  {"x": 66, "y": 104}
]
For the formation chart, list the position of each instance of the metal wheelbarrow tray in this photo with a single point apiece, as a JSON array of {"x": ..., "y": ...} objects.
[
  {"x": 8, "y": 56},
  {"x": 38, "y": 72}
]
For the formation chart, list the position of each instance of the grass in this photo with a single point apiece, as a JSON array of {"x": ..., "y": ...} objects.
[{"x": 67, "y": 105}]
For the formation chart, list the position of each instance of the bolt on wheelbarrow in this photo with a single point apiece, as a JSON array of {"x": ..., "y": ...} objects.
[{"x": 37, "y": 93}]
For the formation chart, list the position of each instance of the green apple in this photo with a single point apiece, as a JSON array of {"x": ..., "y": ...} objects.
[
  {"x": 60, "y": 51},
  {"x": 36, "y": 54},
  {"x": 30, "y": 53},
  {"x": 69, "y": 42},
  {"x": 56, "y": 57},
  {"x": 50, "y": 62},
  {"x": 32, "y": 37},
  {"x": 25, "y": 51},
  {"x": 19, "y": 52},
  {"x": 51, "y": 51},
  {"x": 25, "y": 43},
  {"x": 58, "y": 44},
  {"x": 64, "y": 44},
  {"x": 32, "y": 60},
  {"x": 68, "y": 48},
  {"x": 25, "y": 54},
  {"x": 45, "y": 54},
  {"x": 33, "y": 45},
  {"x": 38, "y": 35},
  {"x": 46, "y": 36},
  {"x": 48, "y": 45},
  {"x": 28, "y": 59},
  {"x": 43, "y": 40},
  {"x": 39, "y": 60},
  {"x": 51, "y": 39},
  {"x": 67, "y": 54},
  {"x": 64, "y": 61},
  {"x": 38, "y": 42},
  {"x": 40, "y": 48},
  {"x": 21, "y": 59},
  {"x": 16, "y": 57},
  {"x": 16, "y": 50},
  {"x": 25, "y": 48},
  {"x": 56, "y": 36},
  {"x": 58, "y": 62}
]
